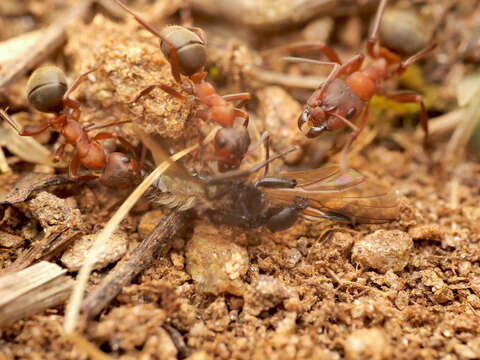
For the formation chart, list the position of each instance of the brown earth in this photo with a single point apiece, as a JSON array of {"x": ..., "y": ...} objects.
[{"x": 409, "y": 289}]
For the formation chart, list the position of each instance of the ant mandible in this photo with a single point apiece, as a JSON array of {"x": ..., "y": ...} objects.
[
  {"x": 339, "y": 102},
  {"x": 48, "y": 93},
  {"x": 185, "y": 50}
]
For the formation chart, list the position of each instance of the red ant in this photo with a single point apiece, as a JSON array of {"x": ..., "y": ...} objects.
[
  {"x": 186, "y": 52},
  {"x": 339, "y": 102},
  {"x": 47, "y": 92}
]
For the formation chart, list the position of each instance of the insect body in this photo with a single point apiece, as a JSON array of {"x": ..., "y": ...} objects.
[
  {"x": 278, "y": 201},
  {"x": 186, "y": 52},
  {"x": 48, "y": 92},
  {"x": 343, "y": 99}
]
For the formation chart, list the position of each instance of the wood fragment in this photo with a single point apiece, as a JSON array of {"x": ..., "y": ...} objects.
[
  {"x": 184, "y": 350},
  {"x": 44, "y": 249},
  {"x": 52, "y": 37},
  {"x": 30, "y": 183},
  {"x": 157, "y": 243},
  {"x": 32, "y": 290}
]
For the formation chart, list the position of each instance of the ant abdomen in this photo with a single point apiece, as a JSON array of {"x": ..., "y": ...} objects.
[
  {"x": 45, "y": 89},
  {"x": 191, "y": 51}
]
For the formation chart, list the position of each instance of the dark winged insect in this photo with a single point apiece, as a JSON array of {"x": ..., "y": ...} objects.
[
  {"x": 185, "y": 48},
  {"x": 344, "y": 97},
  {"x": 48, "y": 92},
  {"x": 279, "y": 200}
]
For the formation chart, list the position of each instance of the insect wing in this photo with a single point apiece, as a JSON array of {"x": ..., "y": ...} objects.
[{"x": 346, "y": 196}]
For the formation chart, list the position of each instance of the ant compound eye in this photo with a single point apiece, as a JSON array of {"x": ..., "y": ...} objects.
[
  {"x": 221, "y": 143},
  {"x": 350, "y": 113}
]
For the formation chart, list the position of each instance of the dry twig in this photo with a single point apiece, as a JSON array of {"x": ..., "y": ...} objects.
[
  {"x": 156, "y": 244},
  {"x": 32, "y": 290}
]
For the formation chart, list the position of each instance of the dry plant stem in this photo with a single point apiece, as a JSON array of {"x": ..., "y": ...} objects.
[
  {"x": 32, "y": 290},
  {"x": 302, "y": 82},
  {"x": 442, "y": 124},
  {"x": 53, "y": 37},
  {"x": 73, "y": 308},
  {"x": 156, "y": 244},
  {"x": 3, "y": 163},
  {"x": 462, "y": 134}
]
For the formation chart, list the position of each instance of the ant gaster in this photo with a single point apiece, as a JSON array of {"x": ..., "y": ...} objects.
[
  {"x": 48, "y": 92},
  {"x": 185, "y": 50},
  {"x": 338, "y": 102}
]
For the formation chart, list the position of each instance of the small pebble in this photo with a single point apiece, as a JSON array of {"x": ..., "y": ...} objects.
[
  {"x": 383, "y": 250},
  {"x": 215, "y": 262},
  {"x": 113, "y": 250},
  {"x": 367, "y": 344}
]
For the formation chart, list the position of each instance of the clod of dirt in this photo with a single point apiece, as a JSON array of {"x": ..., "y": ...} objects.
[
  {"x": 128, "y": 60},
  {"x": 116, "y": 326},
  {"x": 426, "y": 232},
  {"x": 52, "y": 211},
  {"x": 278, "y": 109},
  {"x": 160, "y": 340},
  {"x": 367, "y": 344},
  {"x": 265, "y": 294},
  {"x": 215, "y": 262},
  {"x": 441, "y": 292},
  {"x": 148, "y": 222},
  {"x": 216, "y": 315},
  {"x": 10, "y": 241},
  {"x": 383, "y": 250},
  {"x": 114, "y": 249}
]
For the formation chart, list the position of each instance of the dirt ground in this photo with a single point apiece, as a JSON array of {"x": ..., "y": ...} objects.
[{"x": 406, "y": 289}]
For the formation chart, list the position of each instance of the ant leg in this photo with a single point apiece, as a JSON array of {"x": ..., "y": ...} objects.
[
  {"x": 244, "y": 96},
  {"x": 361, "y": 124},
  {"x": 73, "y": 104},
  {"x": 168, "y": 89},
  {"x": 91, "y": 127},
  {"x": 352, "y": 65},
  {"x": 373, "y": 39},
  {"x": 229, "y": 175},
  {"x": 242, "y": 114},
  {"x": 73, "y": 167},
  {"x": 59, "y": 152},
  {"x": 29, "y": 130},
  {"x": 201, "y": 34},
  {"x": 403, "y": 65},
  {"x": 307, "y": 46},
  {"x": 122, "y": 140},
  {"x": 175, "y": 66},
  {"x": 406, "y": 97}
]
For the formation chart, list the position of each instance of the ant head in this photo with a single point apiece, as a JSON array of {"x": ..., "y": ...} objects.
[
  {"x": 312, "y": 121},
  {"x": 190, "y": 47},
  {"x": 231, "y": 144},
  {"x": 45, "y": 89},
  {"x": 120, "y": 171}
]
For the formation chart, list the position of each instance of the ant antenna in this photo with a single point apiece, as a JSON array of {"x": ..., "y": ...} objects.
[{"x": 221, "y": 178}]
